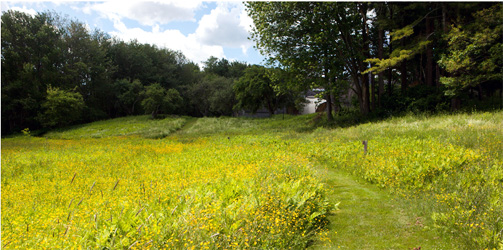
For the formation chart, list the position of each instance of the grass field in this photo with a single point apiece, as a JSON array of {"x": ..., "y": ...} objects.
[{"x": 216, "y": 183}]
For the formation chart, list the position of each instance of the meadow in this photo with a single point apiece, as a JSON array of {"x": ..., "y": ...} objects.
[{"x": 222, "y": 183}]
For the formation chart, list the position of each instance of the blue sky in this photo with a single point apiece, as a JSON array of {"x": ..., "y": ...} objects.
[{"x": 197, "y": 29}]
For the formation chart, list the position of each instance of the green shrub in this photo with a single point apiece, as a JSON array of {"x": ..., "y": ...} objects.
[{"x": 61, "y": 108}]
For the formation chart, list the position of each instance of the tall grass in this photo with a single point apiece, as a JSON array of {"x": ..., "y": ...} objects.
[
  {"x": 242, "y": 125},
  {"x": 242, "y": 182},
  {"x": 452, "y": 163},
  {"x": 142, "y": 126},
  {"x": 129, "y": 192}
]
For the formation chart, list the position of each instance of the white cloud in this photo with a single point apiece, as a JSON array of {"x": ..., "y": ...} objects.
[
  {"x": 146, "y": 13},
  {"x": 226, "y": 25},
  {"x": 172, "y": 39},
  {"x": 30, "y": 12}
]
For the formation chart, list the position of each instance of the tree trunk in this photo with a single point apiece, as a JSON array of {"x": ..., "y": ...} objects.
[
  {"x": 359, "y": 92},
  {"x": 390, "y": 45},
  {"x": 455, "y": 103},
  {"x": 366, "y": 94},
  {"x": 403, "y": 65},
  {"x": 270, "y": 107},
  {"x": 328, "y": 85},
  {"x": 132, "y": 108},
  {"x": 444, "y": 17},
  {"x": 329, "y": 107},
  {"x": 366, "y": 53},
  {"x": 380, "y": 76},
  {"x": 373, "y": 94},
  {"x": 429, "y": 53},
  {"x": 403, "y": 75}
]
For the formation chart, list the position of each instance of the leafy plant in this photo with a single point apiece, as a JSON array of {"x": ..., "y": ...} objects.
[
  {"x": 61, "y": 108},
  {"x": 157, "y": 99}
]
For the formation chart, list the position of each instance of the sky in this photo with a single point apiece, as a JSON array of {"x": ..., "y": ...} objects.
[{"x": 198, "y": 29}]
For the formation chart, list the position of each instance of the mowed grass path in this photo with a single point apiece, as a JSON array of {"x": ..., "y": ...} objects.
[{"x": 370, "y": 218}]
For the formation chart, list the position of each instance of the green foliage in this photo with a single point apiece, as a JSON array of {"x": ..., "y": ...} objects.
[
  {"x": 315, "y": 44},
  {"x": 157, "y": 99},
  {"x": 31, "y": 49},
  {"x": 264, "y": 87},
  {"x": 221, "y": 95},
  {"x": 255, "y": 90},
  {"x": 213, "y": 94},
  {"x": 61, "y": 108},
  {"x": 320, "y": 42},
  {"x": 26, "y": 132},
  {"x": 474, "y": 51},
  {"x": 396, "y": 57},
  {"x": 88, "y": 68},
  {"x": 222, "y": 67},
  {"x": 401, "y": 33},
  {"x": 128, "y": 95}
]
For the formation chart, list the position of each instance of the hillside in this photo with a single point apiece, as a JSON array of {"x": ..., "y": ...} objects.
[{"x": 426, "y": 181}]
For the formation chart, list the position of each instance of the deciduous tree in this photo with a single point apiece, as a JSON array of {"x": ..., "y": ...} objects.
[
  {"x": 61, "y": 108},
  {"x": 157, "y": 100},
  {"x": 256, "y": 90}
]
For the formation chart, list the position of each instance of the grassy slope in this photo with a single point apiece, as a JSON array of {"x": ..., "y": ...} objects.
[
  {"x": 368, "y": 217},
  {"x": 462, "y": 197},
  {"x": 126, "y": 126}
]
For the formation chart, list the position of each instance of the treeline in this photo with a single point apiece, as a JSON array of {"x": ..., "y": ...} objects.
[
  {"x": 375, "y": 58},
  {"x": 57, "y": 72},
  {"x": 394, "y": 56}
]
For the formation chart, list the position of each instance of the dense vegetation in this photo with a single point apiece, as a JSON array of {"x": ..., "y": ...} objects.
[
  {"x": 394, "y": 56},
  {"x": 422, "y": 57},
  {"x": 243, "y": 183},
  {"x": 56, "y": 72},
  {"x": 170, "y": 180}
]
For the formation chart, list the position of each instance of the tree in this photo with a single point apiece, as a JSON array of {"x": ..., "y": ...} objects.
[
  {"x": 256, "y": 90},
  {"x": 61, "y": 108},
  {"x": 31, "y": 59},
  {"x": 221, "y": 95},
  {"x": 322, "y": 41},
  {"x": 131, "y": 60},
  {"x": 87, "y": 67},
  {"x": 157, "y": 100},
  {"x": 128, "y": 95},
  {"x": 237, "y": 69},
  {"x": 212, "y": 95},
  {"x": 474, "y": 52},
  {"x": 217, "y": 66}
]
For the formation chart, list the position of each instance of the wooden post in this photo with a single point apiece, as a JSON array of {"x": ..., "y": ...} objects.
[{"x": 365, "y": 144}]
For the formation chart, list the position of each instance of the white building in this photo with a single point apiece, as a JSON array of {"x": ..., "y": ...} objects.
[{"x": 312, "y": 102}]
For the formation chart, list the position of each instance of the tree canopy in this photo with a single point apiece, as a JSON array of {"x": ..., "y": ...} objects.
[
  {"x": 377, "y": 58},
  {"x": 404, "y": 44},
  {"x": 61, "y": 108},
  {"x": 475, "y": 52}
]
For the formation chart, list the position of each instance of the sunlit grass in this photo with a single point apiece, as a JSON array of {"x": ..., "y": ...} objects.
[
  {"x": 237, "y": 126},
  {"x": 246, "y": 183},
  {"x": 142, "y": 126},
  {"x": 453, "y": 164},
  {"x": 134, "y": 193}
]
